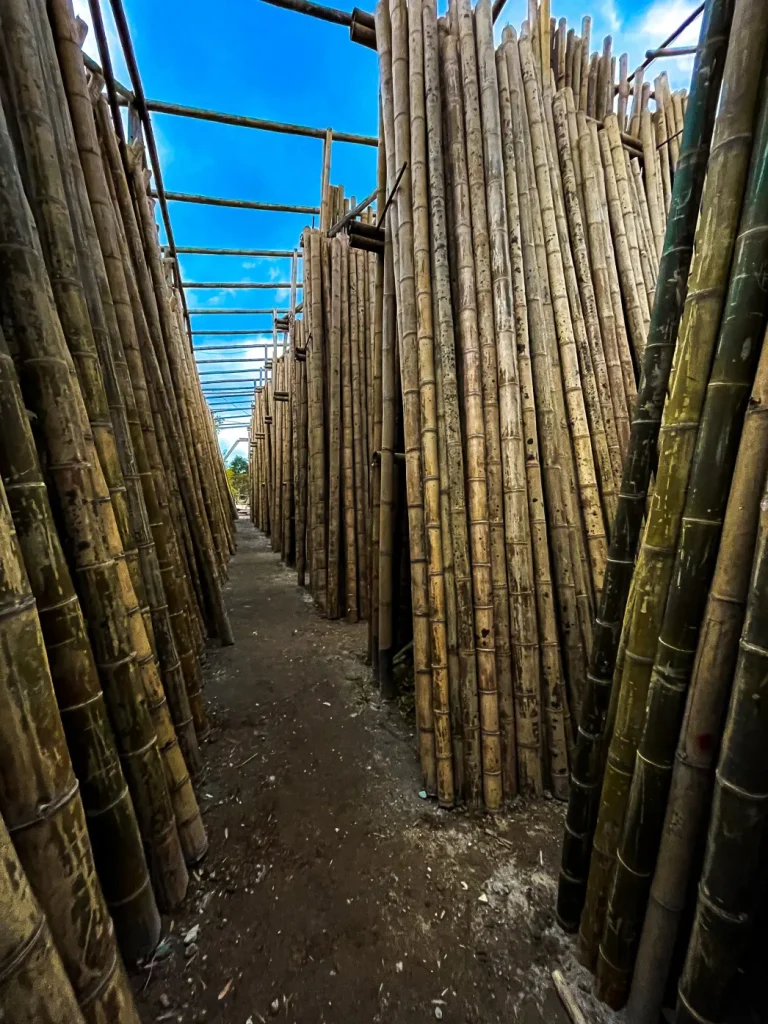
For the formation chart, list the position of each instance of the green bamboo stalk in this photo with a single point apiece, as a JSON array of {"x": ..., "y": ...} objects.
[
  {"x": 711, "y": 468},
  {"x": 587, "y": 770},
  {"x": 708, "y": 284},
  {"x": 693, "y": 773},
  {"x": 732, "y": 882}
]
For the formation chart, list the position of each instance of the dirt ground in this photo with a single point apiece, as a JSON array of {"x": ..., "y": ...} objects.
[{"x": 332, "y": 892}]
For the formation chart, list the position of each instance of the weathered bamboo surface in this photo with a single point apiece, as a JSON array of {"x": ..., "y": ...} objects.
[{"x": 116, "y": 526}]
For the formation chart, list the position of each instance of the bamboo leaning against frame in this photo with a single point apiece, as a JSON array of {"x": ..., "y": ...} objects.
[
  {"x": 587, "y": 768},
  {"x": 695, "y": 759},
  {"x": 722, "y": 404}
]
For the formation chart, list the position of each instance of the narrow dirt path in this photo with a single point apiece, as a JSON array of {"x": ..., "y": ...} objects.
[{"x": 332, "y": 892}]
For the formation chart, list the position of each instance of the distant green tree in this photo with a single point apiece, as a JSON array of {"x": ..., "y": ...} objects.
[{"x": 237, "y": 474}]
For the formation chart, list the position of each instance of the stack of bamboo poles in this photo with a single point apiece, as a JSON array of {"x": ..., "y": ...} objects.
[
  {"x": 506, "y": 318},
  {"x": 663, "y": 859},
  {"x": 115, "y": 530},
  {"x": 522, "y": 279},
  {"x": 312, "y": 428}
]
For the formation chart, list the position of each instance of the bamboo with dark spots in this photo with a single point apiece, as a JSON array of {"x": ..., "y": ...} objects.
[
  {"x": 465, "y": 720},
  {"x": 112, "y": 823},
  {"x": 475, "y": 437},
  {"x": 41, "y": 804}
]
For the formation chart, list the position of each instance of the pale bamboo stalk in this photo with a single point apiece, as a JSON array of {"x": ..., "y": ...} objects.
[
  {"x": 602, "y": 397},
  {"x": 363, "y": 404},
  {"x": 475, "y": 436},
  {"x": 468, "y": 775},
  {"x": 605, "y": 443},
  {"x": 622, "y": 339},
  {"x": 484, "y": 297},
  {"x": 585, "y": 467},
  {"x": 348, "y": 446},
  {"x": 538, "y": 407},
  {"x": 586, "y": 34},
  {"x": 648, "y": 261},
  {"x": 557, "y": 719},
  {"x": 525, "y": 644},
  {"x": 570, "y": 47},
  {"x": 427, "y": 401},
  {"x": 632, "y": 307},
  {"x": 662, "y": 141},
  {"x": 651, "y": 183},
  {"x": 577, "y": 65},
  {"x": 620, "y": 166},
  {"x": 603, "y": 80},
  {"x": 591, "y": 108},
  {"x": 316, "y": 344}
]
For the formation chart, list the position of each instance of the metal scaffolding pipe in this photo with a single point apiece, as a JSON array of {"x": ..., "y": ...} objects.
[
  {"x": 671, "y": 38},
  {"x": 240, "y": 284},
  {"x": 229, "y": 312},
  {"x": 191, "y": 250},
  {"x": 238, "y": 204}
]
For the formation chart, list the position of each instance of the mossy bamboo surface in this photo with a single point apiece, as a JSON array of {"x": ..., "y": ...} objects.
[
  {"x": 699, "y": 522},
  {"x": 41, "y": 805},
  {"x": 34, "y": 987},
  {"x": 673, "y": 273}
]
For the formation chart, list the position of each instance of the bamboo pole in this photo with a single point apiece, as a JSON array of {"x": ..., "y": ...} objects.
[
  {"x": 696, "y": 522},
  {"x": 114, "y": 831},
  {"x": 388, "y": 355},
  {"x": 599, "y": 397},
  {"x": 34, "y": 987},
  {"x": 489, "y": 371},
  {"x": 728, "y": 899},
  {"x": 693, "y": 772},
  {"x": 41, "y": 803},
  {"x": 587, "y": 770},
  {"x": 316, "y": 393},
  {"x": 465, "y": 732},
  {"x": 542, "y": 393},
  {"x": 699, "y": 326},
  {"x": 441, "y": 684},
  {"x": 477, "y": 486},
  {"x": 585, "y": 467},
  {"x": 348, "y": 450},
  {"x": 409, "y": 373},
  {"x": 356, "y": 428}
]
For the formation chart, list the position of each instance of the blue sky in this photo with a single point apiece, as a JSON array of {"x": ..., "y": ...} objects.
[{"x": 247, "y": 57}]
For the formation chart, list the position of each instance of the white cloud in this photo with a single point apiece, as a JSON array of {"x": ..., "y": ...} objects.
[
  {"x": 658, "y": 22},
  {"x": 610, "y": 13}
]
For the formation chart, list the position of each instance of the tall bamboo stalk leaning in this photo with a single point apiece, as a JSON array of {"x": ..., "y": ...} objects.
[{"x": 587, "y": 769}]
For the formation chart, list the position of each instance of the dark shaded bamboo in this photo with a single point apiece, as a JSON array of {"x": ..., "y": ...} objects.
[
  {"x": 693, "y": 772},
  {"x": 587, "y": 770},
  {"x": 334, "y": 401},
  {"x": 41, "y": 805},
  {"x": 316, "y": 358},
  {"x": 699, "y": 523},
  {"x": 728, "y": 899},
  {"x": 119, "y": 393},
  {"x": 348, "y": 447}
]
